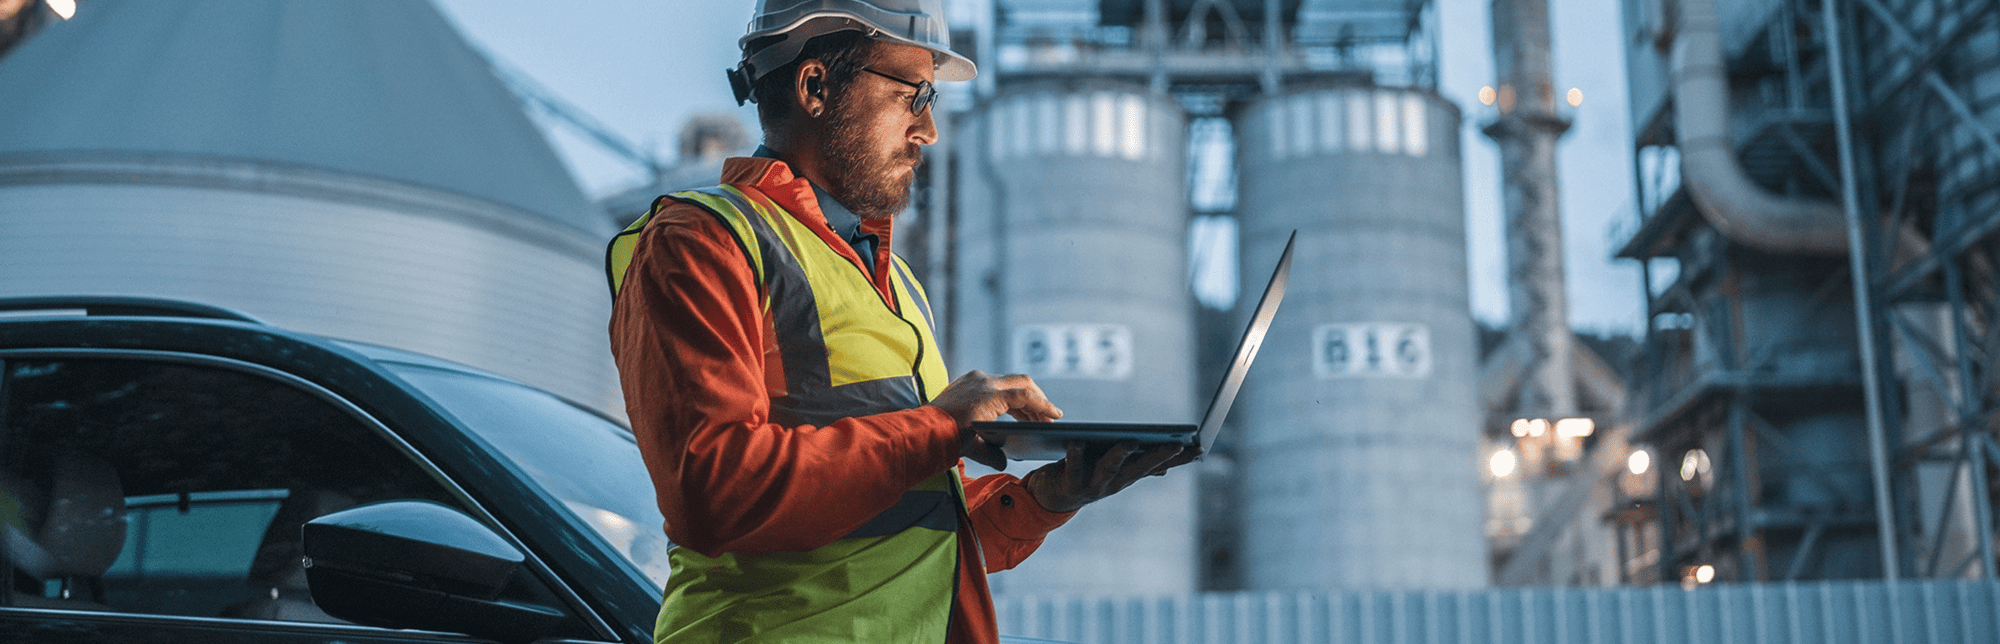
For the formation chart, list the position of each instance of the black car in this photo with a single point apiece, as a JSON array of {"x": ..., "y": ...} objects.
[{"x": 174, "y": 472}]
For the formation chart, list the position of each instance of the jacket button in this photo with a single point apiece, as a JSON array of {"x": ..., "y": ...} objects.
[{"x": 1006, "y": 500}]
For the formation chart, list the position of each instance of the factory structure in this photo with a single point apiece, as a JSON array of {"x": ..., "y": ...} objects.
[
  {"x": 367, "y": 177},
  {"x": 1350, "y": 459},
  {"x": 1790, "y": 449},
  {"x": 1820, "y": 193},
  {"x": 1778, "y": 423}
]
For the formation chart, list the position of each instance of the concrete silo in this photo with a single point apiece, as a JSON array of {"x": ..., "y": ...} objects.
[
  {"x": 1071, "y": 266},
  {"x": 1358, "y": 429},
  {"x": 352, "y": 170}
]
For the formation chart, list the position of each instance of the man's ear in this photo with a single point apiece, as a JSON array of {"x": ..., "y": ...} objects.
[{"x": 809, "y": 87}]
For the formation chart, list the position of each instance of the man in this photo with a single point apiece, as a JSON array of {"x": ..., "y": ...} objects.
[{"x": 781, "y": 374}]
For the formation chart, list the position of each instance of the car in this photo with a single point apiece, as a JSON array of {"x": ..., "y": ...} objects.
[{"x": 177, "y": 472}]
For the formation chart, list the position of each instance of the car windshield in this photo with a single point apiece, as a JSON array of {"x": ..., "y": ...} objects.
[{"x": 592, "y": 465}]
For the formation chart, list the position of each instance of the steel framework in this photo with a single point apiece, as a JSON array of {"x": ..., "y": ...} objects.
[
  {"x": 1917, "y": 93},
  {"x": 1886, "y": 106}
]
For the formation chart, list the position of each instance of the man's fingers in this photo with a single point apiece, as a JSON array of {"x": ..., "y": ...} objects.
[
  {"x": 1105, "y": 478},
  {"x": 1028, "y": 403},
  {"x": 1013, "y": 381},
  {"x": 1080, "y": 480},
  {"x": 1178, "y": 458},
  {"x": 1114, "y": 458},
  {"x": 976, "y": 397},
  {"x": 1154, "y": 461},
  {"x": 1075, "y": 464},
  {"x": 1186, "y": 455}
]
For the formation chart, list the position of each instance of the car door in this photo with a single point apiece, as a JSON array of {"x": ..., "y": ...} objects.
[{"x": 158, "y": 497}]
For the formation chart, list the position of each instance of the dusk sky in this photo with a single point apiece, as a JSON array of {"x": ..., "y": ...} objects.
[{"x": 643, "y": 67}]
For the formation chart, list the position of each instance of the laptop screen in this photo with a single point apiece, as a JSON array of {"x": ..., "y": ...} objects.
[{"x": 1246, "y": 348}]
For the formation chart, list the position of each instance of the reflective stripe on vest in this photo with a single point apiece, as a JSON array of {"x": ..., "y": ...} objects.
[{"x": 843, "y": 351}]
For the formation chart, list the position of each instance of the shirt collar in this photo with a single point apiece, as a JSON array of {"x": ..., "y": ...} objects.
[{"x": 843, "y": 221}]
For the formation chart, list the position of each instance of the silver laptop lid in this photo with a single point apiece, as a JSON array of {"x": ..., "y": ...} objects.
[{"x": 1246, "y": 349}]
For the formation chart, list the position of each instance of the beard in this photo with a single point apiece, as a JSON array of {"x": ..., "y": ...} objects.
[{"x": 872, "y": 185}]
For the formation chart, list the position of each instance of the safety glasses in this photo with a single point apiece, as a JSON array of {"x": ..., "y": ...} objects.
[{"x": 926, "y": 92}]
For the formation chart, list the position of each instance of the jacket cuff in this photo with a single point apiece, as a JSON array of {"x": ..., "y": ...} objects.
[
  {"x": 937, "y": 437},
  {"x": 1015, "y": 512}
]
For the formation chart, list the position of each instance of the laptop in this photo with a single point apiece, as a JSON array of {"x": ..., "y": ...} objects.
[{"x": 1044, "y": 441}]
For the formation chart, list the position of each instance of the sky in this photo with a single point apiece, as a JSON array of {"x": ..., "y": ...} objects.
[{"x": 641, "y": 68}]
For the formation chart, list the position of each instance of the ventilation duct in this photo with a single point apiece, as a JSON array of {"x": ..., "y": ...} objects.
[{"x": 1724, "y": 193}]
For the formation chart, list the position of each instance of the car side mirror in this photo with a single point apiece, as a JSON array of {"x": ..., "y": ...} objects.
[{"x": 421, "y": 565}]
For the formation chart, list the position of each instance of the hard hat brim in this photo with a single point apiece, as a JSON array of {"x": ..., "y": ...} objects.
[
  {"x": 950, "y": 65},
  {"x": 805, "y": 22}
]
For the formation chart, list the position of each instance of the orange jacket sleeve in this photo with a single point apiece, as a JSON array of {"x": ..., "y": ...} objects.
[
  {"x": 1009, "y": 521},
  {"x": 691, "y": 341}
]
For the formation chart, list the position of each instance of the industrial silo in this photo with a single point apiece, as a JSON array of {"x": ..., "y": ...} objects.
[
  {"x": 351, "y": 170},
  {"x": 1358, "y": 428},
  {"x": 1070, "y": 265}
]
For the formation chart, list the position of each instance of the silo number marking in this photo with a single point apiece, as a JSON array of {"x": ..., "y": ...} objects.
[
  {"x": 1091, "y": 351},
  {"x": 1372, "y": 350}
]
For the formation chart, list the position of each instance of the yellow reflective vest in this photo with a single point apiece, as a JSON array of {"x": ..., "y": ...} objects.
[{"x": 846, "y": 351}]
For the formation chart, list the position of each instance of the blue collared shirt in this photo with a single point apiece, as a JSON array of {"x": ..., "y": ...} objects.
[{"x": 843, "y": 221}]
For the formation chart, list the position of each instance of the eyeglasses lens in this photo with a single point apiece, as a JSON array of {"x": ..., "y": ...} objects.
[{"x": 926, "y": 95}]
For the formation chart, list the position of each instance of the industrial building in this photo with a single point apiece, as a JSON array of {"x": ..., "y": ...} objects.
[
  {"x": 1819, "y": 206},
  {"x": 1350, "y": 459},
  {"x": 1761, "y": 467},
  {"x": 1758, "y": 458},
  {"x": 357, "y": 171}
]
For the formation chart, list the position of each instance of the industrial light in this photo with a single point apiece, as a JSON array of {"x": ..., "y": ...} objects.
[
  {"x": 1520, "y": 428},
  {"x": 64, "y": 8},
  {"x": 1486, "y": 95},
  {"x": 1502, "y": 463},
  {"x": 1538, "y": 427},
  {"x": 1575, "y": 97},
  {"x": 1695, "y": 462},
  {"x": 1575, "y": 427},
  {"x": 1639, "y": 461},
  {"x": 1704, "y": 573}
]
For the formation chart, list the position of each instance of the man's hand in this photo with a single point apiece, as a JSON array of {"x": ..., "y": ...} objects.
[
  {"x": 1069, "y": 484},
  {"x": 977, "y": 397}
]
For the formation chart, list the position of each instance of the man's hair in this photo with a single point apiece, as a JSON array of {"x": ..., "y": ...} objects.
[{"x": 843, "y": 52}]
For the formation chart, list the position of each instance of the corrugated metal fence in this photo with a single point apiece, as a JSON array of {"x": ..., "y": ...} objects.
[{"x": 1917, "y": 612}]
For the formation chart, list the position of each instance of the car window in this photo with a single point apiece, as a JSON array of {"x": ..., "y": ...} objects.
[
  {"x": 213, "y": 533},
  {"x": 588, "y": 462},
  {"x": 178, "y": 488}
]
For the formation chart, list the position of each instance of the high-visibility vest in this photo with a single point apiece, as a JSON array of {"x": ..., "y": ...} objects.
[{"x": 845, "y": 351}]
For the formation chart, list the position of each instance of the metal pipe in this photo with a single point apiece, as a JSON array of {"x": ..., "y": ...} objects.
[
  {"x": 1669, "y": 521},
  {"x": 1857, "y": 258},
  {"x": 1804, "y": 552},
  {"x": 1727, "y": 197},
  {"x": 1739, "y": 464},
  {"x": 1943, "y": 528},
  {"x": 1271, "y": 81},
  {"x": 1968, "y": 414},
  {"x": 1156, "y": 45}
]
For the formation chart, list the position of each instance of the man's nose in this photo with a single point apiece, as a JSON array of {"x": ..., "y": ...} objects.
[{"x": 924, "y": 132}]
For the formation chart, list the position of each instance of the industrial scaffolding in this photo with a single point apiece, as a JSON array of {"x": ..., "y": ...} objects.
[{"x": 1877, "y": 120}]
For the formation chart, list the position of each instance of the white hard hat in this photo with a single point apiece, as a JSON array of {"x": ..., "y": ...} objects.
[{"x": 911, "y": 22}]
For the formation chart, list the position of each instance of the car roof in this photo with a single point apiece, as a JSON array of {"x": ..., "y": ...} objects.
[
  {"x": 381, "y": 353},
  {"x": 127, "y": 307}
]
